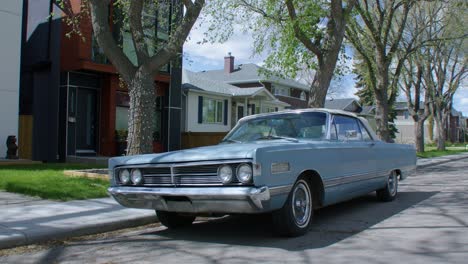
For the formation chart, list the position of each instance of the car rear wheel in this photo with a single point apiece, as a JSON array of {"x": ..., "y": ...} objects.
[
  {"x": 390, "y": 191},
  {"x": 296, "y": 215},
  {"x": 174, "y": 220}
]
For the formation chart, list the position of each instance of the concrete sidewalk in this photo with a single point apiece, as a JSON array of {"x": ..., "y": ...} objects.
[{"x": 27, "y": 220}]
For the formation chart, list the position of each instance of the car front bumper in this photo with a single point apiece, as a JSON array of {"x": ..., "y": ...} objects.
[{"x": 195, "y": 200}]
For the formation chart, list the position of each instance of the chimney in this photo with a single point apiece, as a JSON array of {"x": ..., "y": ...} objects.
[{"x": 228, "y": 63}]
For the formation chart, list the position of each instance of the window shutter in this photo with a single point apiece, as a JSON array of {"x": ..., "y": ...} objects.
[
  {"x": 200, "y": 109},
  {"x": 225, "y": 112}
]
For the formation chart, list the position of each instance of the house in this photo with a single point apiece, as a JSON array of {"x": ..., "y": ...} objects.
[
  {"x": 250, "y": 75},
  {"x": 10, "y": 54},
  {"x": 454, "y": 131},
  {"x": 455, "y": 127},
  {"x": 71, "y": 95},
  {"x": 406, "y": 125},
  {"x": 211, "y": 108}
]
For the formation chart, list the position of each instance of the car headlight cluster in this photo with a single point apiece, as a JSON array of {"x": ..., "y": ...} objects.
[
  {"x": 244, "y": 173},
  {"x": 130, "y": 177}
]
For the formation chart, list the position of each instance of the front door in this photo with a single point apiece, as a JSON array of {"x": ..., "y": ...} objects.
[
  {"x": 240, "y": 112},
  {"x": 86, "y": 121}
]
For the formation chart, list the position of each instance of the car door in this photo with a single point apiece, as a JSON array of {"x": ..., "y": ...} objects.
[{"x": 357, "y": 156}]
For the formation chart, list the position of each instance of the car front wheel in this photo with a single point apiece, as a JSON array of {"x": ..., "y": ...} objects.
[
  {"x": 296, "y": 215},
  {"x": 390, "y": 191},
  {"x": 174, "y": 220}
]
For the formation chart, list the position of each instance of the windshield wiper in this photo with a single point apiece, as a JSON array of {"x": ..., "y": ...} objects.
[
  {"x": 231, "y": 140},
  {"x": 278, "y": 137}
]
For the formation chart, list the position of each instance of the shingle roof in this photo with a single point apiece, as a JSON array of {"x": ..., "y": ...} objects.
[
  {"x": 250, "y": 72},
  {"x": 404, "y": 105},
  {"x": 339, "y": 104},
  {"x": 193, "y": 81},
  {"x": 367, "y": 109}
]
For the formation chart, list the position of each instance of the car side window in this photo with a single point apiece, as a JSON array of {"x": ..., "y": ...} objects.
[
  {"x": 347, "y": 128},
  {"x": 365, "y": 134}
]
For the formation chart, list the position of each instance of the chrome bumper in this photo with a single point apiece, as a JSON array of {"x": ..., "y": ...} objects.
[{"x": 195, "y": 200}]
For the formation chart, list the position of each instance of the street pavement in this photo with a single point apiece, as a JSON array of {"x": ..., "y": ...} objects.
[{"x": 427, "y": 223}]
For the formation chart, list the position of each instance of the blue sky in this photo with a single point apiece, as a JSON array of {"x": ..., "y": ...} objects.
[{"x": 199, "y": 57}]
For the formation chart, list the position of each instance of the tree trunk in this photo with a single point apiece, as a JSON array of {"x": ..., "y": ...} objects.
[
  {"x": 440, "y": 122},
  {"x": 319, "y": 89},
  {"x": 323, "y": 77},
  {"x": 419, "y": 135},
  {"x": 431, "y": 128},
  {"x": 141, "y": 116},
  {"x": 381, "y": 99}
]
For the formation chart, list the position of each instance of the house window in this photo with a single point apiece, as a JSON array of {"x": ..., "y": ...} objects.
[
  {"x": 268, "y": 109},
  {"x": 303, "y": 96},
  {"x": 212, "y": 111},
  {"x": 406, "y": 114}
]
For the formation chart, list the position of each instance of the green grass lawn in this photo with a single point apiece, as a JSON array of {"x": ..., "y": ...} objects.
[
  {"x": 433, "y": 152},
  {"x": 48, "y": 181}
]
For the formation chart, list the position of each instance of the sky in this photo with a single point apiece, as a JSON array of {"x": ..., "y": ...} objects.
[{"x": 209, "y": 56}]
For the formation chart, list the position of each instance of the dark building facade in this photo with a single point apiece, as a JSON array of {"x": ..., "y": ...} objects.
[{"x": 72, "y": 96}]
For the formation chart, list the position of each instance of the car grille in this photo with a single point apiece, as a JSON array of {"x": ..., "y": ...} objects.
[{"x": 199, "y": 175}]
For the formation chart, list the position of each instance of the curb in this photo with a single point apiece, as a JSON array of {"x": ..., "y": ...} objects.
[
  {"x": 23, "y": 239},
  {"x": 441, "y": 162}
]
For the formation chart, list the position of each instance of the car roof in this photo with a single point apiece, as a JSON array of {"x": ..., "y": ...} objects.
[{"x": 298, "y": 111}]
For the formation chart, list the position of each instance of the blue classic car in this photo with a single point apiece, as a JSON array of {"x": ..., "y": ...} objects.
[{"x": 285, "y": 163}]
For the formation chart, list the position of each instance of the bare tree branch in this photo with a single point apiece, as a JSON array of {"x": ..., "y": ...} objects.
[
  {"x": 99, "y": 13},
  {"x": 136, "y": 29}
]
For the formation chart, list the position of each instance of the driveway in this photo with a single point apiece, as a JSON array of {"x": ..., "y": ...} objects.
[{"x": 428, "y": 223}]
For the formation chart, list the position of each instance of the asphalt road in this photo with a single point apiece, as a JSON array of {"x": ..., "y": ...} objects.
[{"x": 428, "y": 223}]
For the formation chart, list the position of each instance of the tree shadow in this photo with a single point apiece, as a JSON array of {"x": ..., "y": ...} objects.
[{"x": 331, "y": 224}]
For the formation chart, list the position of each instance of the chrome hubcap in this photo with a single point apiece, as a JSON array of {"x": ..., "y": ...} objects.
[
  {"x": 392, "y": 183},
  {"x": 301, "y": 203}
]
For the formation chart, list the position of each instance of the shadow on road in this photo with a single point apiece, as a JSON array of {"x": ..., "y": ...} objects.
[{"x": 331, "y": 225}]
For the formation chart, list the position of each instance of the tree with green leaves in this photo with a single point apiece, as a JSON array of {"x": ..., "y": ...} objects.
[
  {"x": 151, "y": 53},
  {"x": 376, "y": 33},
  {"x": 295, "y": 33},
  {"x": 433, "y": 72}
]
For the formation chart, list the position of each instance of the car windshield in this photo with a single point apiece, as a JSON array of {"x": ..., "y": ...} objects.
[{"x": 292, "y": 127}]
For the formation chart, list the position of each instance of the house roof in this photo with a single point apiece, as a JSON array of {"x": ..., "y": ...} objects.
[
  {"x": 367, "y": 109},
  {"x": 404, "y": 105},
  {"x": 248, "y": 73},
  {"x": 343, "y": 104},
  {"x": 194, "y": 81}
]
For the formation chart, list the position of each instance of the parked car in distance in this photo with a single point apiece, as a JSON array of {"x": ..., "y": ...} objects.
[{"x": 285, "y": 163}]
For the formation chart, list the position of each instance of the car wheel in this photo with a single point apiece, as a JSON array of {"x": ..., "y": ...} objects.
[
  {"x": 297, "y": 213},
  {"x": 390, "y": 191},
  {"x": 174, "y": 220}
]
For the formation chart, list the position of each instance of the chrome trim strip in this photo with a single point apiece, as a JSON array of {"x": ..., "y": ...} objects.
[
  {"x": 172, "y": 176},
  {"x": 278, "y": 190},
  {"x": 353, "y": 178},
  {"x": 184, "y": 164},
  {"x": 210, "y": 199}
]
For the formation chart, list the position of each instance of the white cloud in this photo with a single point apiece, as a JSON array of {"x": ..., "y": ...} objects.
[{"x": 209, "y": 55}]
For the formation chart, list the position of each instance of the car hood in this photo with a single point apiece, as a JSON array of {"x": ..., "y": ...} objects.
[{"x": 216, "y": 152}]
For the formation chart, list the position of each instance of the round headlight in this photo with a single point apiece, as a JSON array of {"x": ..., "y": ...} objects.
[
  {"x": 137, "y": 178},
  {"x": 225, "y": 174},
  {"x": 244, "y": 173},
  {"x": 124, "y": 176}
]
